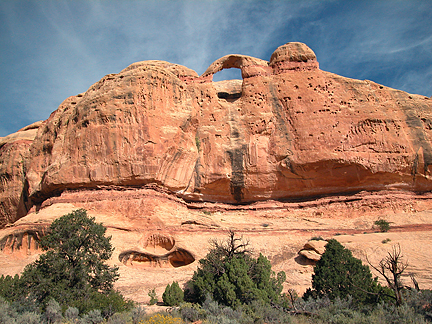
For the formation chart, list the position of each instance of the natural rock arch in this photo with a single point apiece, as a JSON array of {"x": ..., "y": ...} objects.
[{"x": 249, "y": 66}]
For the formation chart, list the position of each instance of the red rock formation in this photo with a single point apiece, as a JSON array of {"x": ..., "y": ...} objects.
[
  {"x": 287, "y": 130},
  {"x": 14, "y": 151}
]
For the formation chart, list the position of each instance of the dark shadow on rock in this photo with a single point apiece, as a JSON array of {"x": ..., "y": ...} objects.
[{"x": 300, "y": 259}]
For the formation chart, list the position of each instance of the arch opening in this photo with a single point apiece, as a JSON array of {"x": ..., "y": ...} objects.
[{"x": 227, "y": 74}]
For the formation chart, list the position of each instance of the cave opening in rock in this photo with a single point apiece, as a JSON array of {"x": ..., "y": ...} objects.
[
  {"x": 27, "y": 241},
  {"x": 228, "y": 84},
  {"x": 229, "y": 96},
  {"x": 180, "y": 258},
  {"x": 177, "y": 258}
]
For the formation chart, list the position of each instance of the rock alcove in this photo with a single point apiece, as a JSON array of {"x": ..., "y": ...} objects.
[
  {"x": 23, "y": 242},
  {"x": 159, "y": 251}
]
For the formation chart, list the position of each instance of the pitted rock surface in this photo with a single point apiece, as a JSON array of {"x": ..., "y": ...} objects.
[{"x": 287, "y": 130}]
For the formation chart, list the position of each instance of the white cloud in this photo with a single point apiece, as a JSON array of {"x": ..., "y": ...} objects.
[{"x": 54, "y": 49}]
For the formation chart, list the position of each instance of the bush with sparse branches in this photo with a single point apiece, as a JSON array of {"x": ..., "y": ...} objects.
[
  {"x": 153, "y": 297},
  {"x": 391, "y": 268}
]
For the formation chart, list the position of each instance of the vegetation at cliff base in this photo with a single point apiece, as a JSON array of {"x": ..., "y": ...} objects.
[
  {"x": 230, "y": 276},
  {"x": 72, "y": 271},
  {"x": 71, "y": 283}
]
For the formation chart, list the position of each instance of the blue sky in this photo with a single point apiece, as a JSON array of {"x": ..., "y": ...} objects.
[{"x": 51, "y": 50}]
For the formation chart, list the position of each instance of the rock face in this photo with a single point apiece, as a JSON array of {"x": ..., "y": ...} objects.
[
  {"x": 14, "y": 153},
  {"x": 168, "y": 160},
  {"x": 287, "y": 130}
]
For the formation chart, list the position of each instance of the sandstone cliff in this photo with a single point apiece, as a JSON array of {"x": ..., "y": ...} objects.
[
  {"x": 168, "y": 159},
  {"x": 14, "y": 153},
  {"x": 288, "y": 129}
]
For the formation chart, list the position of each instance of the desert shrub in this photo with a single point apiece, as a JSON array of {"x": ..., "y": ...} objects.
[
  {"x": 383, "y": 225},
  {"x": 420, "y": 301},
  {"x": 153, "y": 297},
  {"x": 71, "y": 314},
  {"x": 23, "y": 305},
  {"x": 190, "y": 312},
  {"x": 317, "y": 238},
  {"x": 7, "y": 313},
  {"x": 232, "y": 277},
  {"x": 338, "y": 275},
  {"x": 119, "y": 318},
  {"x": 347, "y": 311},
  {"x": 173, "y": 295},
  {"x": 15, "y": 313},
  {"x": 107, "y": 303},
  {"x": 312, "y": 305},
  {"x": 29, "y": 318},
  {"x": 260, "y": 312},
  {"x": 341, "y": 316},
  {"x": 391, "y": 314},
  {"x": 53, "y": 312},
  {"x": 216, "y": 313},
  {"x": 138, "y": 314},
  {"x": 93, "y": 317},
  {"x": 162, "y": 319},
  {"x": 340, "y": 311},
  {"x": 222, "y": 320},
  {"x": 197, "y": 142}
]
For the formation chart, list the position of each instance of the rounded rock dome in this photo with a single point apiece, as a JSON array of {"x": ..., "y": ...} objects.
[{"x": 292, "y": 52}]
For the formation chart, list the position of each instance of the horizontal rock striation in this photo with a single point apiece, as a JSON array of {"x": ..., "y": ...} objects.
[{"x": 287, "y": 130}]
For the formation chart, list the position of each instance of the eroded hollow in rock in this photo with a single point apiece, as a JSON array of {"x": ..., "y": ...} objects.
[
  {"x": 228, "y": 96},
  {"x": 143, "y": 259},
  {"x": 27, "y": 241},
  {"x": 177, "y": 258},
  {"x": 159, "y": 243},
  {"x": 229, "y": 90},
  {"x": 180, "y": 258}
]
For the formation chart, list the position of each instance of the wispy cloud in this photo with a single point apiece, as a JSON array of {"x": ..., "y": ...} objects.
[
  {"x": 386, "y": 41},
  {"x": 54, "y": 49}
]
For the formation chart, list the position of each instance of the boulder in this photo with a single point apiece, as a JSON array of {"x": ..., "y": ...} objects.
[
  {"x": 316, "y": 245},
  {"x": 310, "y": 254}
]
